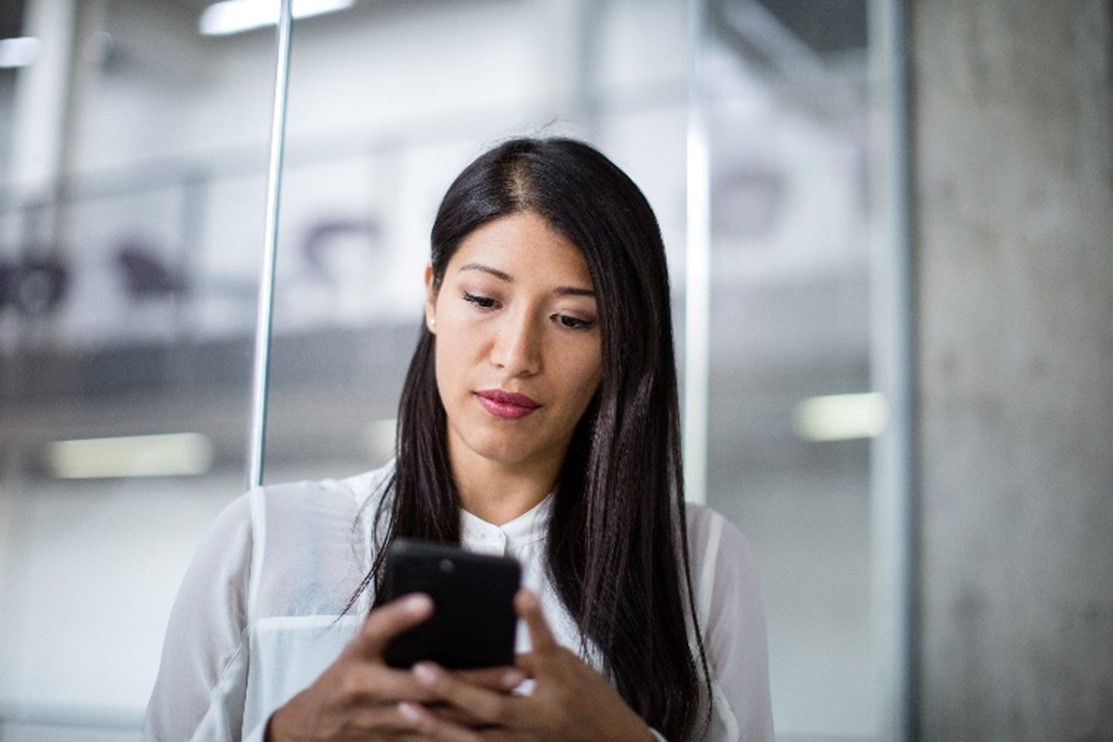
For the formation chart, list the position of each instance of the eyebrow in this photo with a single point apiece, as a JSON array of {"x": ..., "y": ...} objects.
[
  {"x": 503, "y": 276},
  {"x": 487, "y": 269}
]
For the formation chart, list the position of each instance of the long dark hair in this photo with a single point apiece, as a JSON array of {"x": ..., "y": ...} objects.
[{"x": 617, "y": 549}]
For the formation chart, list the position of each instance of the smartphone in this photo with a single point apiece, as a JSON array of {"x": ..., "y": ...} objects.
[{"x": 473, "y": 621}]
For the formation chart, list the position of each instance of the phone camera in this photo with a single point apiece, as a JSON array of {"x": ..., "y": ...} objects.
[{"x": 446, "y": 566}]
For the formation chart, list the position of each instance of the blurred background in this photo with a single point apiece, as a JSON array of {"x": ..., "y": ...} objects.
[
  {"x": 133, "y": 151},
  {"x": 146, "y": 217}
]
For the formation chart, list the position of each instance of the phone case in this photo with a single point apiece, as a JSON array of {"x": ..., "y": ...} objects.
[{"x": 473, "y": 623}]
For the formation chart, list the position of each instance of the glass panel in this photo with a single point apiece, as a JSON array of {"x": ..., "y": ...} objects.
[
  {"x": 789, "y": 296},
  {"x": 789, "y": 455},
  {"x": 132, "y": 167},
  {"x": 159, "y": 229},
  {"x": 387, "y": 103}
]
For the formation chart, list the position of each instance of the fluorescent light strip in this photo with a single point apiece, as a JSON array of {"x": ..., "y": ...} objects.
[
  {"x": 235, "y": 16},
  {"x": 165, "y": 455},
  {"x": 841, "y": 417},
  {"x": 21, "y": 51}
]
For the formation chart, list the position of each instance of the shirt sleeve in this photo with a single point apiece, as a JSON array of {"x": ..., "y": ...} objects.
[
  {"x": 200, "y": 684},
  {"x": 732, "y": 620}
]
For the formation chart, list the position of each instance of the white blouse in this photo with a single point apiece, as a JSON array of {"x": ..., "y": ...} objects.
[{"x": 256, "y": 618}]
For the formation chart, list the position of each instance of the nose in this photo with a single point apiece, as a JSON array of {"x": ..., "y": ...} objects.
[{"x": 517, "y": 347}]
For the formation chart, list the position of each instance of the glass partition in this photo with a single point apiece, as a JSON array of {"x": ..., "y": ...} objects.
[
  {"x": 387, "y": 104},
  {"x": 376, "y": 132},
  {"x": 154, "y": 218},
  {"x": 790, "y": 387},
  {"x": 132, "y": 179}
]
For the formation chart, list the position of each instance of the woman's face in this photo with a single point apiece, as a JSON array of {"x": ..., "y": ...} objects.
[{"x": 518, "y": 351}]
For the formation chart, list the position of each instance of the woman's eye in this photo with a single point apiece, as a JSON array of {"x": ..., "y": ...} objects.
[
  {"x": 575, "y": 323},
  {"x": 484, "y": 302}
]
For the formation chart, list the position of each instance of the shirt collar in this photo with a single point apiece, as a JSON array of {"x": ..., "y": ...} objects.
[{"x": 479, "y": 535}]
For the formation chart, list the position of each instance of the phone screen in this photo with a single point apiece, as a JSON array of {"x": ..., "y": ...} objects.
[{"x": 473, "y": 622}]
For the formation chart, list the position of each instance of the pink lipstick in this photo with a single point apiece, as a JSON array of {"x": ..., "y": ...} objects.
[{"x": 507, "y": 405}]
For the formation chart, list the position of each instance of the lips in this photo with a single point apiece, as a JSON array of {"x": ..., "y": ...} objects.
[{"x": 506, "y": 405}]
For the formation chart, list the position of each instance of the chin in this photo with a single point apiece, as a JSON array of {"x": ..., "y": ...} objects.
[
  {"x": 505, "y": 450},
  {"x": 504, "y": 453}
]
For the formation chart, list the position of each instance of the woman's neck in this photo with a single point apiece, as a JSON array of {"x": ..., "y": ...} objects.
[{"x": 498, "y": 494}]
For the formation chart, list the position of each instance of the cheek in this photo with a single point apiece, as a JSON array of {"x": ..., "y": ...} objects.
[
  {"x": 452, "y": 359},
  {"x": 442, "y": 365},
  {"x": 587, "y": 373}
]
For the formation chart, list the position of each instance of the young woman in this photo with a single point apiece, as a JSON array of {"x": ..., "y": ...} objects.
[{"x": 539, "y": 419}]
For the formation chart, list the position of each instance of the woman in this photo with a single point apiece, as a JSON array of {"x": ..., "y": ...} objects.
[{"x": 539, "y": 419}]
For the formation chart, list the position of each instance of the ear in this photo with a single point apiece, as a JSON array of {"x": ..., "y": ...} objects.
[{"x": 430, "y": 300}]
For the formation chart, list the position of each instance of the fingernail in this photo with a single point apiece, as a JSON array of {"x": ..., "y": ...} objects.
[
  {"x": 409, "y": 712},
  {"x": 425, "y": 673},
  {"x": 512, "y": 679},
  {"x": 418, "y": 603}
]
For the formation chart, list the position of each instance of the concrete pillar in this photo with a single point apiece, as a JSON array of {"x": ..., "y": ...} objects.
[{"x": 1012, "y": 126}]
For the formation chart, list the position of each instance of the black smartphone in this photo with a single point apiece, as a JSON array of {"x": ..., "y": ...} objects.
[{"x": 473, "y": 621}]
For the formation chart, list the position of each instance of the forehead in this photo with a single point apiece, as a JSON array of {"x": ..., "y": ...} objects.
[{"x": 523, "y": 246}]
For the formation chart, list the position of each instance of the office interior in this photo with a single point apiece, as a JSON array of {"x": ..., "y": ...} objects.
[{"x": 135, "y": 140}]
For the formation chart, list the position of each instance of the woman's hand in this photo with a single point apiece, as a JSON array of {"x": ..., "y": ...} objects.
[
  {"x": 359, "y": 696},
  {"x": 570, "y": 700}
]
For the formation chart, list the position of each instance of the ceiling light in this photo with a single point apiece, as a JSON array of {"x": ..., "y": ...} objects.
[
  {"x": 19, "y": 52},
  {"x": 841, "y": 417},
  {"x": 235, "y": 16},
  {"x": 165, "y": 455}
]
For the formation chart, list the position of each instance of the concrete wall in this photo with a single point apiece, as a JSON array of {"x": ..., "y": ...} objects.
[{"x": 1012, "y": 118}]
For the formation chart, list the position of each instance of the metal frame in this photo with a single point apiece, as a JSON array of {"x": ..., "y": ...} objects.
[
  {"x": 697, "y": 281},
  {"x": 264, "y": 317},
  {"x": 893, "y": 350}
]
